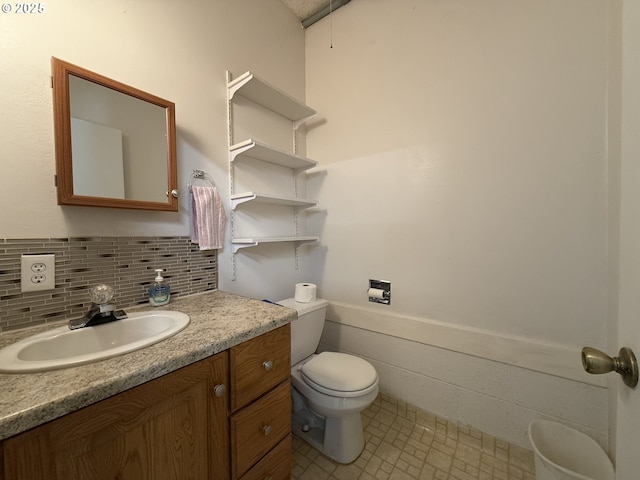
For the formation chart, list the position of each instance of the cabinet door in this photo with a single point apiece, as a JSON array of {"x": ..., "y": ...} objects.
[
  {"x": 157, "y": 431},
  {"x": 219, "y": 443}
]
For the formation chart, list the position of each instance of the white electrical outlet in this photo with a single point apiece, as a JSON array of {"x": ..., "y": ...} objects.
[{"x": 38, "y": 272}]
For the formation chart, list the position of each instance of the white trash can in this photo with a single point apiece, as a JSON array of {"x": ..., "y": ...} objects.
[{"x": 562, "y": 453}]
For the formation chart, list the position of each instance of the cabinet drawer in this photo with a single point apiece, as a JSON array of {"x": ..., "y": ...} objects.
[
  {"x": 276, "y": 465},
  {"x": 259, "y": 364},
  {"x": 259, "y": 427}
]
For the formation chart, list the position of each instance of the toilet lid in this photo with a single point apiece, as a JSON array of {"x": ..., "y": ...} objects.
[{"x": 339, "y": 372}]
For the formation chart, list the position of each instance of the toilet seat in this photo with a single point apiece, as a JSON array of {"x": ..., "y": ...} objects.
[{"x": 339, "y": 374}]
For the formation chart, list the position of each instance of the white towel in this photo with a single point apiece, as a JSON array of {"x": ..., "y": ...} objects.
[{"x": 207, "y": 218}]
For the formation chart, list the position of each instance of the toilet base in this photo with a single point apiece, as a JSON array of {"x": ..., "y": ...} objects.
[
  {"x": 310, "y": 432},
  {"x": 340, "y": 439},
  {"x": 343, "y": 438}
]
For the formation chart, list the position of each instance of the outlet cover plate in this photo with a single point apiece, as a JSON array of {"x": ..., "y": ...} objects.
[{"x": 38, "y": 272}]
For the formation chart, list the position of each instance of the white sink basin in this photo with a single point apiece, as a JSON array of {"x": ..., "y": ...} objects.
[{"x": 61, "y": 347}]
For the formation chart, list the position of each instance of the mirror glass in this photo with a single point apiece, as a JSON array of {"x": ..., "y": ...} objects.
[{"x": 115, "y": 144}]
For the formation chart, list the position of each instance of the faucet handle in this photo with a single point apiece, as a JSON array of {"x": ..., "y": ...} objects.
[{"x": 101, "y": 294}]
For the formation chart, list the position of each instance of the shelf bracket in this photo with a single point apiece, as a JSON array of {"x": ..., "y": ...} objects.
[
  {"x": 239, "y": 246},
  {"x": 239, "y": 151},
  {"x": 298, "y": 123},
  {"x": 236, "y": 86},
  {"x": 238, "y": 201}
]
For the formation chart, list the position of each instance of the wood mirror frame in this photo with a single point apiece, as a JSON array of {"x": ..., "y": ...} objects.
[{"x": 61, "y": 71}]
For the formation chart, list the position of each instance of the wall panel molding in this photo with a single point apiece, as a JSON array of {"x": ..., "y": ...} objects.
[{"x": 552, "y": 359}]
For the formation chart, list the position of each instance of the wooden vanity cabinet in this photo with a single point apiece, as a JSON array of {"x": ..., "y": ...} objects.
[
  {"x": 172, "y": 428},
  {"x": 261, "y": 407},
  {"x": 227, "y": 416}
]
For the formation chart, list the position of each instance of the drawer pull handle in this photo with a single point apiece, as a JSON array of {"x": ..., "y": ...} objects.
[
  {"x": 266, "y": 429},
  {"x": 268, "y": 365},
  {"x": 220, "y": 390}
]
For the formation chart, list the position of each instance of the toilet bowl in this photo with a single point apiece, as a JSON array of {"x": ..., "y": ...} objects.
[{"x": 329, "y": 389}]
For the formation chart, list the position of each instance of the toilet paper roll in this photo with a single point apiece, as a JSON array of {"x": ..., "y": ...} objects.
[
  {"x": 305, "y": 292},
  {"x": 376, "y": 293}
]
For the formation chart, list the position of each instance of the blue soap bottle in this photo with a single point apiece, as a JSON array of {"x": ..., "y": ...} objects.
[{"x": 160, "y": 292}]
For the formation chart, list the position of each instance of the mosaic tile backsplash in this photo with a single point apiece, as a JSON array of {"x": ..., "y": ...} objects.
[{"x": 125, "y": 263}]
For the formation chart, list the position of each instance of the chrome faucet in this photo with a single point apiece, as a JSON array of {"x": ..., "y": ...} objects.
[{"x": 101, "y": 311}]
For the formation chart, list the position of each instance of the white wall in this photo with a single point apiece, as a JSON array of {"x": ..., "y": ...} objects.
[
  {"x": 464, "y": 158},
  {"x": 176, "y": 50}
]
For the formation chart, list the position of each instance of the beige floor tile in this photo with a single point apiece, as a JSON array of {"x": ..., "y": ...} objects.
[
  {"x": 325, "y": 463},
  {"x": 404, "y": 442},
  {"x": 458, "y": 474},
  {"x": 468, "y": 454},
  {"x": 314, "y": 472},
  {"x": 388, "y": 452},
  {"x": 373, "y": 465},
  {"x": 522, "y": 458},
  {"x": 366, "y": 476},
  {"x": 398, "y": 474},
  {"x": 347, "y": 472},
  {"x": 440, "y": 460}
]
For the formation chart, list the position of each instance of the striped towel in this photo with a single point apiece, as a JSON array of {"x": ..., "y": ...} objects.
[{"x": 207, "y": 218}]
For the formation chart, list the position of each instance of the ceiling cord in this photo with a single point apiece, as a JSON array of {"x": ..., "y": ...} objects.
[{"x": 331, "y": 23}]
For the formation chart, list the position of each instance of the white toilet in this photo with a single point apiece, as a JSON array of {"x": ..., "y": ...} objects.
[{"x": 329, "y": 389}]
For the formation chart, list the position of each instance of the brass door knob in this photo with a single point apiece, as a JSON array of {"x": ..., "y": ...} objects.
[{"x": 597, "y": 362}]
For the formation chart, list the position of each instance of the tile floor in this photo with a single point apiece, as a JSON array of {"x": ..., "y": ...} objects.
[{"x": 406, "y": 443}]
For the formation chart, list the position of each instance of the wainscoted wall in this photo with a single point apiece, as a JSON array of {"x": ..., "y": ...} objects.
[
  {"x": 463, "y": 150},
  {"x": 496, "y": 383},
  {"x": 125, "y": 263}
]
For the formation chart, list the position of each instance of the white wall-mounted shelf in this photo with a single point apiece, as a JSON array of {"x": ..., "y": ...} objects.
[
  {"x": 257, "y": 90},
  {"x": 240, "y": 198},
  {"x": 239, "y": 243},
  {"x": 261, "y": 151}
]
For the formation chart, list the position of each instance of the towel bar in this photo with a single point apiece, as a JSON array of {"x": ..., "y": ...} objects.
[{"x": 200, "y": 175}]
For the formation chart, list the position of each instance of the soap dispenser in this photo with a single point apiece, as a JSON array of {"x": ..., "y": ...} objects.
[{"x": 159, "y": 293}]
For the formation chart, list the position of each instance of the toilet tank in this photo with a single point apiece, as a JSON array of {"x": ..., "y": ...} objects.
[{"x": 307, "y": 329}]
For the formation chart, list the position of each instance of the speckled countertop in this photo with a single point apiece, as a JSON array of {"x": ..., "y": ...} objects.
[{"x": 219, "y": 320}]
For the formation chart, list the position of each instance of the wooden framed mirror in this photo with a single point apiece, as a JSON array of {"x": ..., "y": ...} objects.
[{"x": 115, "y": 144}]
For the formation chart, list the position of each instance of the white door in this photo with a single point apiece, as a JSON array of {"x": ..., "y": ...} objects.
[{"x": 625, "y": 406}]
